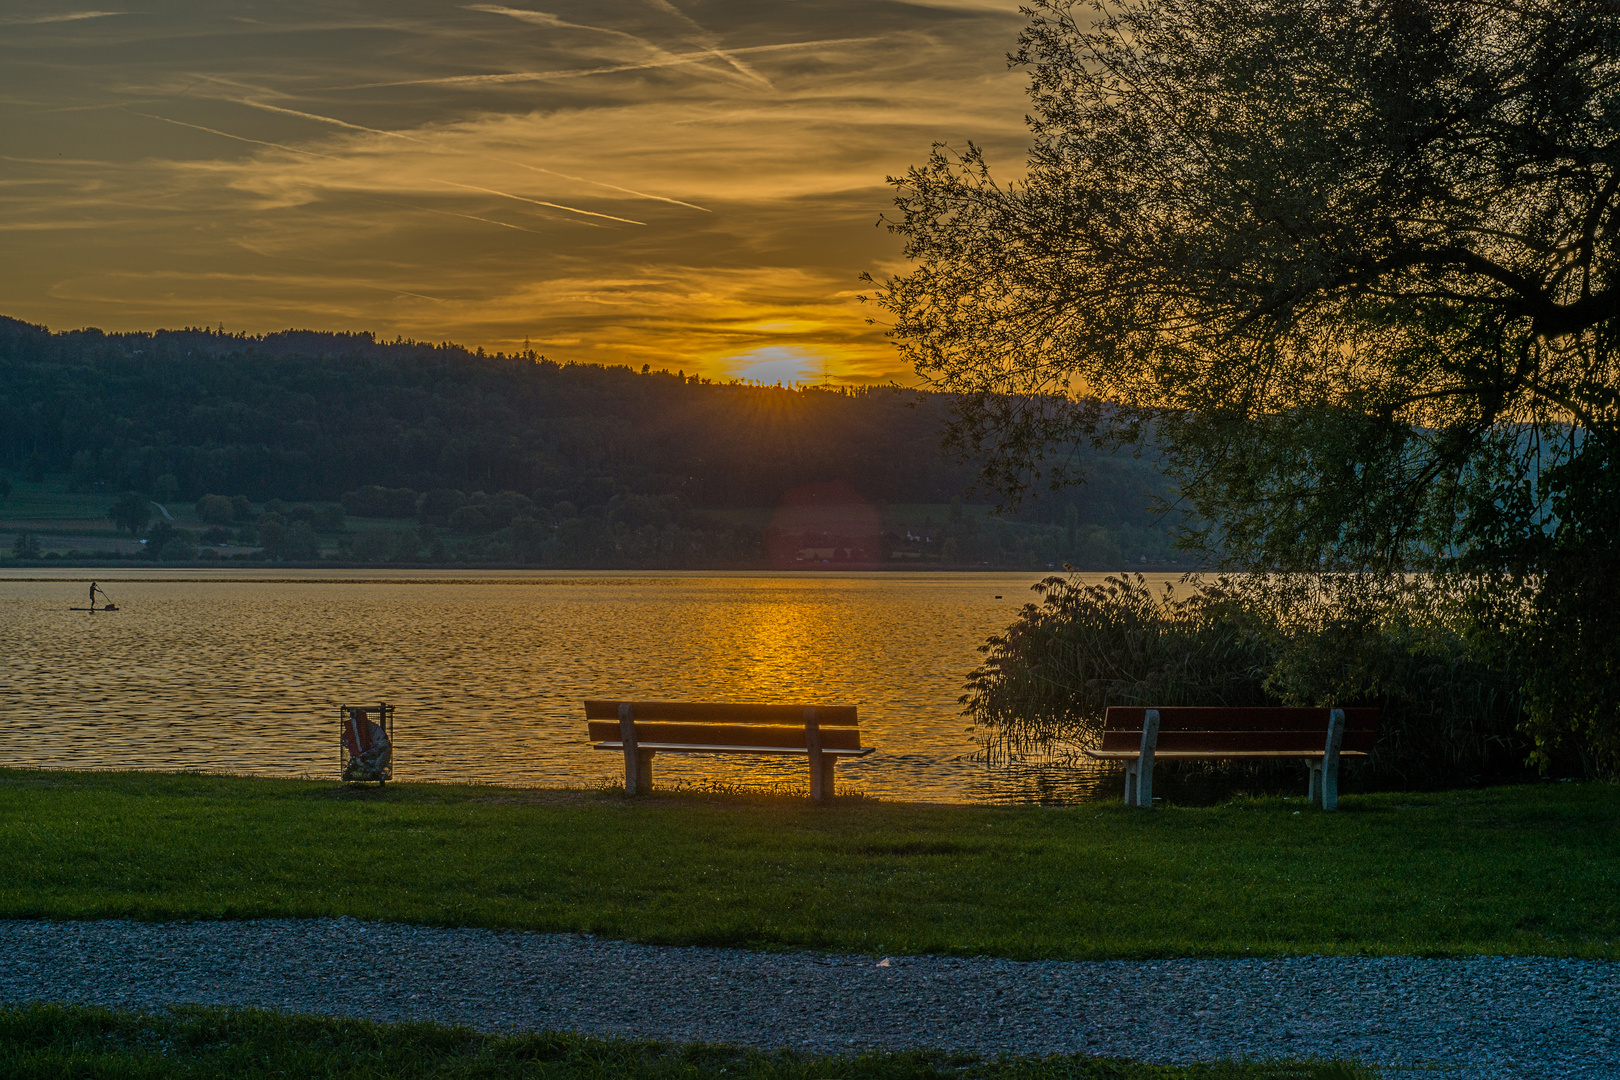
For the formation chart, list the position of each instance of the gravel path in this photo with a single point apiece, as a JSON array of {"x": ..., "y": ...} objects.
[{"x": 1484, "y": 1017}]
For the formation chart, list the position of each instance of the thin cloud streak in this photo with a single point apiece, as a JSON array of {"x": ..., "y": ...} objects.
[
  {"x": 604, "y": 184},
  {"x": 674, "y": 60},
  {"x": 225, "y": 134},
  {"x": 542, "y": 18},
  {"x": 709, "y": 41},
  {"x": 456, "y": 214},
  {"x": 537, "y": 202},
  {"x": 323, "y": 119},
  {"x": 71, "y": 16},
  {"x": 428, "y": 142}
]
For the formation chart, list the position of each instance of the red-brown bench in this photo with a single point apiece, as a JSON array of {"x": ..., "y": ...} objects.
[
  {"x": 1318, "y": 737},
  {"x": 640, "y": 729}
]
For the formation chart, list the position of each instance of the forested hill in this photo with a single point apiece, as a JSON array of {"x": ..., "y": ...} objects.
[{"x": 310, "y": 417}]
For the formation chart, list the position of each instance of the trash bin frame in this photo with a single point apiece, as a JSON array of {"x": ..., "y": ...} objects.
[{"x": 383, "y": 714}]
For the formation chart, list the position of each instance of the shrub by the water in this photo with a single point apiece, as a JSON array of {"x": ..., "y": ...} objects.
[
  {"x": 1452, "y": 710},
  {"x": 1048, "y": 679}
]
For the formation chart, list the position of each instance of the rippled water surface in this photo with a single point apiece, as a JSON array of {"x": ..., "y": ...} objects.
[{"x": 230, "y": 673}]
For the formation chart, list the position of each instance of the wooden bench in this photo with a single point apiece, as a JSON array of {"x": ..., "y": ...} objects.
[
  {"x": 640, "y": 729},
  {"x": 1318, "y": 737}
]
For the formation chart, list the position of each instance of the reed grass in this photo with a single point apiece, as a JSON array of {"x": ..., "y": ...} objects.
[
  {"x": 1452, "y": 711},
  {"x": 1533, "y": 869}
]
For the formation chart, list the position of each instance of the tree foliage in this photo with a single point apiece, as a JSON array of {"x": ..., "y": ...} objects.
[
  {"x": 1450, "y": 711},
  {"x": 1354, "y": 263},
  {"x": 1357, "y": 260},
  {"x": 131, "y": 512}
]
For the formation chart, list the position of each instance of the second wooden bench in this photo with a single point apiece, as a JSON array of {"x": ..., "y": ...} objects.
[
  {"x": 641, "y": 729},
  {"x": 1317, "y": 737}
]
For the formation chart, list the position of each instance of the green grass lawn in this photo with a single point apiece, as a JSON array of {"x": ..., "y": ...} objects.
[
  {"x": 1533, "y": 870},
  {"x": 55, "y": 1043}
]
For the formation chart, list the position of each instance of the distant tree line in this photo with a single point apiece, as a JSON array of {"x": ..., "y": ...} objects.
[{"x": 501, "y": 457}]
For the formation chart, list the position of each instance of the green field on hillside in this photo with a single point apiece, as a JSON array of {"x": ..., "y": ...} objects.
[{"x": 53, "y": 501}]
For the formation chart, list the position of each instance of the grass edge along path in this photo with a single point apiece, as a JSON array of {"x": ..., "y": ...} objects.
[
  {"x": 197, "y": 1043},
  {"x": 1531, "y": 870}
]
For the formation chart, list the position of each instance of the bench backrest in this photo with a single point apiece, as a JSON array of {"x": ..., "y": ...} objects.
[
  {"x": 1253, "y": 730},
  {"x": 697, "y": 723}
]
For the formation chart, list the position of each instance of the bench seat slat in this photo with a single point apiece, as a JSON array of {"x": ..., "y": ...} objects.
[
  {"x": 700, "y": 712},
  {"x": 1222, "y": 741},
  {"x": 838, "y": 738},
  {"x": 1221, "y": 718},
  {"x": 716, "y": 748}
]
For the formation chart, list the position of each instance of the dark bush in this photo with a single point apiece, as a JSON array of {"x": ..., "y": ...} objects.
[
  {"x": 437, "y": 505},
  {"x": 329, "y": 518},
  {"x": 295, "y": 541},
  {"x": 372, "y": 545},
  {"x": 469, "y": 519},
  {"x": 381, "y": 502},
  {"x": 1049, "y": 678},
  {"x": 503, "y": 508},
  {"x": 1451, "y": 707},
  {"x": 130, "y": 513},
  {"x": 215, "y": 510},
  {"x": 164, "y": 541}
]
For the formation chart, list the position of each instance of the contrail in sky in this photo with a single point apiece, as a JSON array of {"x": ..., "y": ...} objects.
[
  {"x": 428, "y": 142},
  {"x": 436, "y": 180},
  {"x": 674, "y": 60},
  {"x": 401, "y": 292},
  {"x": 323, "y": 119},
  {"x": 710, "y": 41},
  {"x": 601, "y": 183},
  {"x": 469, "y": 217},
  {"x": 228, "y": 135},
  {"x": 544, "y": 18},
  {"x": 707, "y": 40},
  {"x": 537, "y": 202},
  {"x": 71, "y": 16}
]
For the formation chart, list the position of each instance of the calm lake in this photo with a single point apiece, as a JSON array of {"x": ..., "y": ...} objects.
[{"x": 226, "y": 671}]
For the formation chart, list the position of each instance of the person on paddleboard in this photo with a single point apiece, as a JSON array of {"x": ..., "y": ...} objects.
[{"x": 93, "y": 591}]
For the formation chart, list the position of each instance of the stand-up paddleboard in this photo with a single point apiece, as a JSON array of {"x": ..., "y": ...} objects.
[{"x": 109, "y": 607}]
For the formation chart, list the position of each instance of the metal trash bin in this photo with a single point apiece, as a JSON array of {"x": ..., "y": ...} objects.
[{"x": 366, "y": 743}]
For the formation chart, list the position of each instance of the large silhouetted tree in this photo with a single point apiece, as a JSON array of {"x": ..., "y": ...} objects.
[{"x": 1354, "y": 263}]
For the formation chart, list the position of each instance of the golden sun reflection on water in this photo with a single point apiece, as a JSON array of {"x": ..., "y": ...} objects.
[{"x": 488, "y": 671}]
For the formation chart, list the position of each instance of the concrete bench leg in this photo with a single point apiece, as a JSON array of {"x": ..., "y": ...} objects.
[
  {"x": 1330, "y": 760},
  {"x": 1313, "y": 785},
  {"x": 1144, "y": 759},
  {"x": 1130, "y": 783}
]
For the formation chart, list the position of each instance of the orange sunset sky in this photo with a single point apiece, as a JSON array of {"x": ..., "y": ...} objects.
[{"x": 687, "y": 183}]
